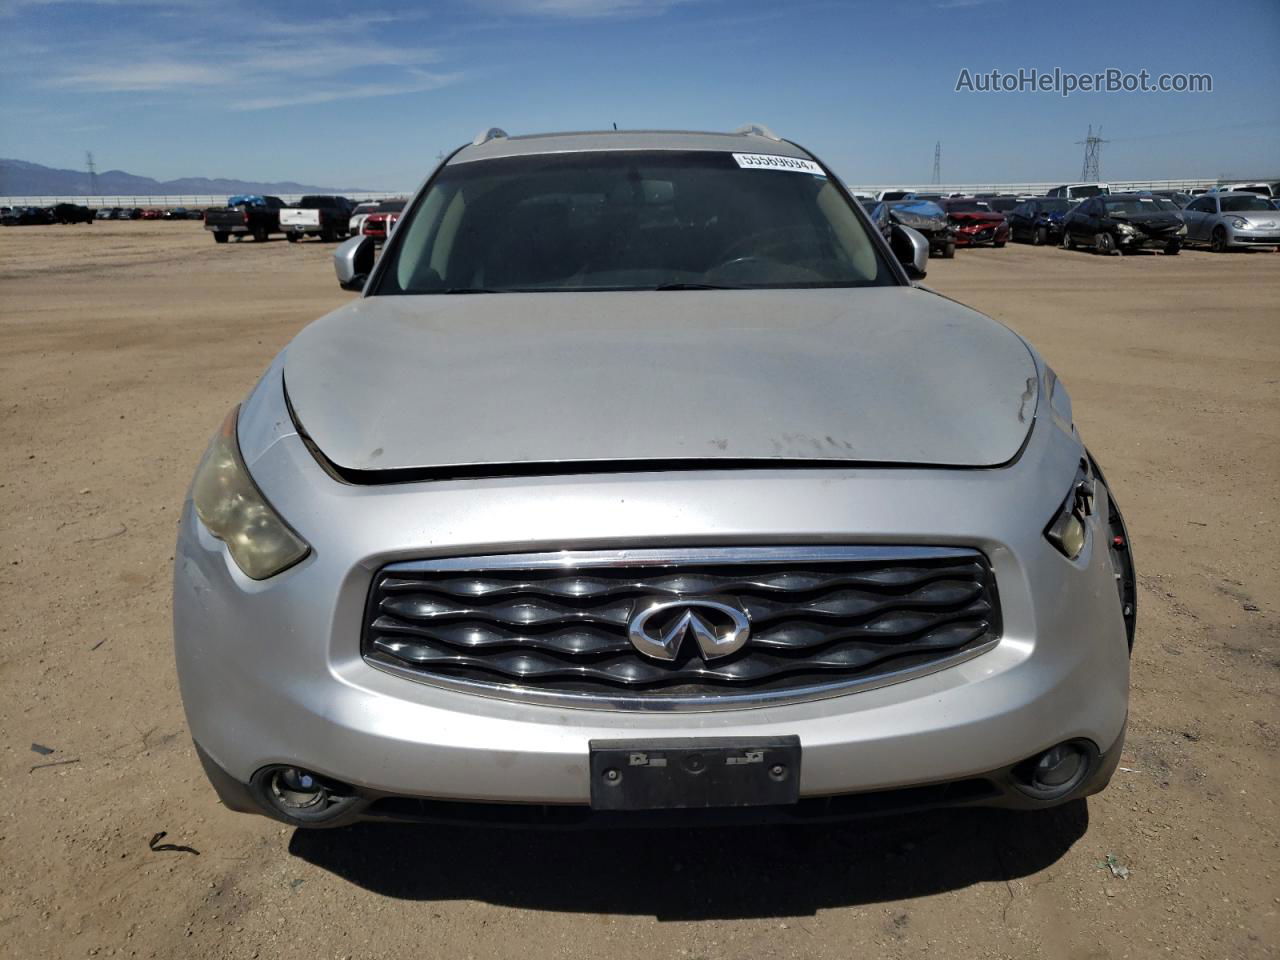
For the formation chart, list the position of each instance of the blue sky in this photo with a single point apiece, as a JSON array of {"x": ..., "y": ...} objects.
[{"x": 366, "y": 94}]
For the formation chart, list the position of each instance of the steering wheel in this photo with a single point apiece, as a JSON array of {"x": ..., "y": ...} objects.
[{"x": 778, "y": 238}]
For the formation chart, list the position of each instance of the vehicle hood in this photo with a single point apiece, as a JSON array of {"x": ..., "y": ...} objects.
[
  {"x": 480, "y": 381},
  {"x": 919, "y": 216},
  {"x": 975, "y": 217}
]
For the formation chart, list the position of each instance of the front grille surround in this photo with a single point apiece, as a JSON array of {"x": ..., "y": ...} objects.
[{"x": 552, "y": 627}]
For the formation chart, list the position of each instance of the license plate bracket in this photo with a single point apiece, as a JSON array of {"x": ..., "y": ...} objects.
[{"x": 694, "y": 772}]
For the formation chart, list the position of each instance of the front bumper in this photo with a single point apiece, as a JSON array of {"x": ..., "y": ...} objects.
[
  {"x": 998, "y": 788},
  {"x": 1144, "y": 241},
  {"x": 271, "y": 672},
  {"x": 977, "y": 236},
  {"x": 1259, "y": 237}
]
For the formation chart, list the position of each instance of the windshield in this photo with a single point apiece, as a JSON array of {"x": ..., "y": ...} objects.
[
  {"x": 967, "y": 206},
  {"x": 1055, "y": 206},
  {"x": 1086, "y": 191},
  {"x": 364, "y": 208},
  {"x": 1242, "y": 204},
  {"x": 1134, "y": 206},
  {"x": 391, "y": 206},
  {"x": 627, "y": 220}
]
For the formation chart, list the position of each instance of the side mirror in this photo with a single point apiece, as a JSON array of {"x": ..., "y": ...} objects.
[
  {"x": 353, "y": 261},
  {"x": 911, "y": 249}
]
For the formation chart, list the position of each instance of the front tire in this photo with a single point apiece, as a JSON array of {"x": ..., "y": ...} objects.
[
  {"x": 1040, "y": 237},
  {"x": 293, "y": 237},
  {"x": 1218, "y": 243},
  {"x": 1068, "y": 241},
  {"x": 1171, "y": 250},
  {"x": 1104, "y": 244},
  {"x": 219, "y": 237},
  {"x": 998, "y": 243},
  {"x": 260, "y": 235},
  {"x": 949, "y": 251}
]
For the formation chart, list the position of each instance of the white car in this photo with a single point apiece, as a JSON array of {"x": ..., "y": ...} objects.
[
  {"x": 1080, "y": 191},
  {"x": 357, "y": 218},
  {"x": 1262, "y": 189}
]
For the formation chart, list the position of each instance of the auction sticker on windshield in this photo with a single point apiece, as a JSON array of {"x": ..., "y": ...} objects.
[{"x": 764, "y": 161}]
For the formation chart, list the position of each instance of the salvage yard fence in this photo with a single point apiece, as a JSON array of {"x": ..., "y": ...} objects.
[{"x": 1029, "y": 189}]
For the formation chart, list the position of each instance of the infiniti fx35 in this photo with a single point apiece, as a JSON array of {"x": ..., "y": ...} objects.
[{"x": 641, "y": 483}]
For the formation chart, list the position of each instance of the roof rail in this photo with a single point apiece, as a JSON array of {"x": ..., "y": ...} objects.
[
  {"x": 757, "y": 130},
  {"x": 493, "y": 133}
]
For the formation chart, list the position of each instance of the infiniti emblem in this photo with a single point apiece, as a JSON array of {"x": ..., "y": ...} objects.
[{"x": 658, "y": 629}]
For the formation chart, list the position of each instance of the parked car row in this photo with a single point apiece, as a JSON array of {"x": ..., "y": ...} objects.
[
  {"x": 76, "y": 213},
  {"x": 39, "y": 216},
  {"x": 1075, "y": 192},
  {"x": 326, "y": 217},
  {"x": 1105, "y": 222},
  {"x": 945, "y": 223}
]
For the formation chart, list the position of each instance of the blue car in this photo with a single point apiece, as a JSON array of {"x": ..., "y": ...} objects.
[{"x": 1039, "y": 221}]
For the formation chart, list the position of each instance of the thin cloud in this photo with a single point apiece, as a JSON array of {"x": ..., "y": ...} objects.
[
  {"x": 281, "y": 62},
  {"x": 359, "y": 91},
  {"x": 127, "y": 77},
  {"x": 581, "y": 9}
]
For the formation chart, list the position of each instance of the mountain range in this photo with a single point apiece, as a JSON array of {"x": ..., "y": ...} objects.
[{"x": 18, "y": 178}]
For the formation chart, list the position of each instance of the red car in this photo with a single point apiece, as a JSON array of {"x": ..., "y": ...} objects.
[
  {"x": 152, "y": 214},
  {"x": 379, "y": 223},
  {"x": 976, "y": 223}
]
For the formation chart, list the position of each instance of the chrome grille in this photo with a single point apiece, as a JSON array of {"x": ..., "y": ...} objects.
[{"x": 555, "y": 626}]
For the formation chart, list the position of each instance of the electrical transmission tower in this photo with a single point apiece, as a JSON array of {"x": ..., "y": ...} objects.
[
  {"x": 93, "y": 173},
  {"x": 937, "y": 162},
  {"x": 1092, "y": 152}
]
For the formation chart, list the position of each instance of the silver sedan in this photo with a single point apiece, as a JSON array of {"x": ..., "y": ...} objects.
[{"x": 1227, "y": 220}]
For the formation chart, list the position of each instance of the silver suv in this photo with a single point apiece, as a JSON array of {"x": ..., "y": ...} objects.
[{"x": 641, "y": 483}]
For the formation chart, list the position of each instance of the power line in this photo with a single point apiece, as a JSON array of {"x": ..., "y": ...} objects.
[
  {"x": 937, "y": 162},
  {"x": 1092, "y": 153}
]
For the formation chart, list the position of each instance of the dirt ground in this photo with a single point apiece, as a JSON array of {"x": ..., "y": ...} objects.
[{"x": 123, "y": 345}]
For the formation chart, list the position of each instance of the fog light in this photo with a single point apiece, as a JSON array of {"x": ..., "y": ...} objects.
[
  {"x": 1057, "y": 766},
  {"x": 1056, "y": 772},
  {"x": 293, "y": 789}
]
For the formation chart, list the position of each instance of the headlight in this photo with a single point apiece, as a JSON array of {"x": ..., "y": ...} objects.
[
  {"x": 1125, "y": 229},
  {"x": 231, "y": 507},
  {"x": 1238, "y": 223},
  {"x": 1069, "y": 530},
  {"x": 1182, "y": 231},
  {"x": 1059, "y": 399}
]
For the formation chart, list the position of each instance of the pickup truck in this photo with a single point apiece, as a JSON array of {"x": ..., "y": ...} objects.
[
  {"x": 323, "y": 217},
  {"x": 243, "y": 216}
]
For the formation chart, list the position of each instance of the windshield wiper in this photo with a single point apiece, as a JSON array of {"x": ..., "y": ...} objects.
[
  {"x": 469, "y": 290},
  {"x": 697, "y": 286}
]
